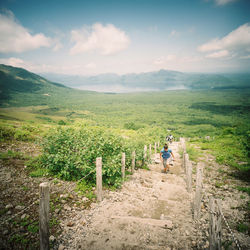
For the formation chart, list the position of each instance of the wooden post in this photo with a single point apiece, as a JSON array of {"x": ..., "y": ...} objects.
[
  {"x": 44, "y": 216},
  {"x": 150, "y": 151},
  {"x": 99, "y": 178},
  {"x": 123, "y": 166},
  {"x": 183, "y": 144},
  {"x": 133, "y": 162},
  {"x": 155, "y": 148},
  {"x": 189, "y": 176},
  {"x": 215, "y": 225},
  {"x": 185, "y": 161},
  {"x": 145, "y": 154},
  {"x": 198, "y": 191}
]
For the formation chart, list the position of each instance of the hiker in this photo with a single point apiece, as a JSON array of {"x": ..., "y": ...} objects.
[
  {"x": 169, "y": 138},
  {"x": 165, "y": 156}
]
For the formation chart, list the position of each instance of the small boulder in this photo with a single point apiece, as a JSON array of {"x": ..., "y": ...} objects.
[
  {"x": 9, "y": 206},
  {"x": 52, "y": 238},
  {"x": 61, "y": 247},
  {"x": 70, "y": 224},
  {"x": 66, "y": 207},
  {"x": 19, "y": 207}
]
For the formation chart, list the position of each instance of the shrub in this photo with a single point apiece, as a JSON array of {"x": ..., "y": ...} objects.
[{"x": 70, "y": 153}]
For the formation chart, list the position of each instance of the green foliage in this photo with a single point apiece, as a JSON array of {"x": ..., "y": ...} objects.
[
  {"x": 133, "y": 126},
  {"x": 85, "y": 189},
  {"x": 18, "y": 238},
  {"x": 40, "y": 172},
  {"x": 6, "y": 133},
  {"x": 23, "y": 133},
  {"x": 243, "y": 228},
  {"x": 71, "y": 152},
  {"x": 34, "y": 227},
  {"x": 193, "y": 153},
  {"x": 35, "y": 168},
  {"x": 244, "y": 189},
  {"x": 61, "y": 122},
  {"x": 11, "y": 155}
]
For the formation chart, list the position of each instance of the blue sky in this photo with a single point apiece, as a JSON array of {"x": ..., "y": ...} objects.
[{"x": 122, "y": 36}]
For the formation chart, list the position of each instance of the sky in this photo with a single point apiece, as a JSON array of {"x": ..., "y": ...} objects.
[{"x": 89, "y": 37}]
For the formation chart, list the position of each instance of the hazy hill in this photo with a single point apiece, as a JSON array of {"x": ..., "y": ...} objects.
[
  {"x": 19, "y": 87},
  {"x": 159, "y": 80}
]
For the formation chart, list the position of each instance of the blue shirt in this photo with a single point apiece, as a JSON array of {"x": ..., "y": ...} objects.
[{"x": 166, "y": 154}]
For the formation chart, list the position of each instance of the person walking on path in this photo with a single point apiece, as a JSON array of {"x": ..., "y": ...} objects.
[{"x": 165, "y": 156}]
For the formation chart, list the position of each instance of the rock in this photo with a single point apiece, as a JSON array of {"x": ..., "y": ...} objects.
[
  {"x": 5, "y": 232},
  {"x": 9, "y": 206},
  {"x": 57, "y": 210},
  {"x": 70, "y": 224},
  {"x": 19, "y": 207},
  {"x": 63, "y": 201},
  {"x": 193, "y": 243},
  {"x": 169, "y": 224},
  {"x": 207, "y": 244},
  {"x": 186, "y": 232},
  {"x": 84, "y": 199},
  {"x": 83, "y": 222},
  {"x": 24, "y": 216},
  {"x": 66, "y": 207},
  {"x": 52, "y": 238},
  {"x": 61, "y": 247},
  {"x": 9, "y": 212},
  {"x": 162, "y": 217}
]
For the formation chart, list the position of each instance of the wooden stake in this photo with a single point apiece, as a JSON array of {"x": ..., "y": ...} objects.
[
  {"x": 189, "y": 176},
  {"x": 99, "y": 178},
  {"x": 133, "y": 162},
  {"x": 123, "y": 166},
  {"x": 44, "y": 216},
  {"x": 145, "y": 154},
  {"x": 215, "y": 225},
  {"x": 198, "y": 191},
  {"x": 185, "y": 161}
]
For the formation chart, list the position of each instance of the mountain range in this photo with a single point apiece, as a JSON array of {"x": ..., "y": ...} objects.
[
  {"x": 152, "y": 81},
  {"x": 21, "y": 87}
]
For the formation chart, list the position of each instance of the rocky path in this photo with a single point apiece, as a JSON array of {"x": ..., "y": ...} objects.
[{"x": 151, "y": 211}]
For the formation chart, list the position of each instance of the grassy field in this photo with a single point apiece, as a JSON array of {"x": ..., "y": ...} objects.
[{"x": 221, "y": 114}]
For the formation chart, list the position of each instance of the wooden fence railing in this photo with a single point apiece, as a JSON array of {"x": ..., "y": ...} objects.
[
  {"x": 44, "y": 194},
  {"x": 214, "y": 208}
]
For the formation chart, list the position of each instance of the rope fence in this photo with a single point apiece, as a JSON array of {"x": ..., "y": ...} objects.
[
  {"x": 214, "y": 207},
  {"x": 45, "y": 188}
]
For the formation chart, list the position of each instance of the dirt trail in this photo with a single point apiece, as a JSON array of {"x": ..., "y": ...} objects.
[{"x": 151, "y": 211}]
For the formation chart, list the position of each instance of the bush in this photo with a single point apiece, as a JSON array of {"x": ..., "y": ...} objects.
[
  {"x": 70, "y": 153},
  {"x": 6, "y": 133}
]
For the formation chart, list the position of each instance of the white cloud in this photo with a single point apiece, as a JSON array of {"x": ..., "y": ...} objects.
[
  {"x": 16, "y": 38},
  {"x": 13, "y": 61},
  {"x": 105, "y": 39},
  {"x": 90, "y": 66},
  {"x": 237, "y": 41},
  {"x": 224, "y": 2},
  {"x": 218, "y": 54}
]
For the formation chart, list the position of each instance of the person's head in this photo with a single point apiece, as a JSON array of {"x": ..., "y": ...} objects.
[{"x": 166, "y": 147}]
